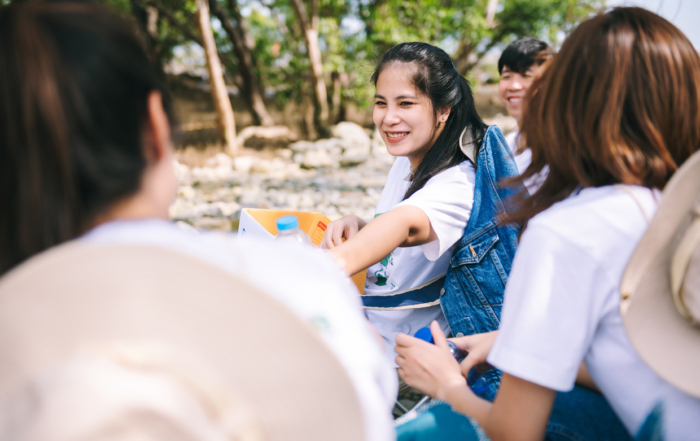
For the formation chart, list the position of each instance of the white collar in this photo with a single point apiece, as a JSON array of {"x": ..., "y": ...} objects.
[{"x": 466, "y": 144}]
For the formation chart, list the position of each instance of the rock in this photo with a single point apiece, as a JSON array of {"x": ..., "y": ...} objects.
[
  {"x": 284, "y": 153},
  {"x": 353, "y": 135},
  {"x": 243, "y": 163},
  {"x": 220, "y": 160},
  {"x": 355, "y": 142},
  {"x": 301, "y": 146},
  {"x": 333, "y": 146},
  {"x": 190, "y": 211},
  {"x": 316, "y": 159},
  {"x": 186, "y": 192},
  {"x": 227, "y": 209},
  {"x": 210, "y": 223},
  {"x": 259, "y": 136},
  {"x": 354, "y": 156}
]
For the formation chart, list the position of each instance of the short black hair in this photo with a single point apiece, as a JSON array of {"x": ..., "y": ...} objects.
[{"x": 521, "y": 54}]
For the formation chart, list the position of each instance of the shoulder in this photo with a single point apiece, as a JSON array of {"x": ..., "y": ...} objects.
[
  {"x": 460, "y": 174},
  {"x": 452, "y": 185},
  {"x": 450, "y": 191},
  {"x": 597, "y": 220}
]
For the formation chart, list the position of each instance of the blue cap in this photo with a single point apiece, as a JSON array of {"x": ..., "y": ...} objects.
[
  {"x": 425, "y": 334},
  {"x": 287, "y": 223}
]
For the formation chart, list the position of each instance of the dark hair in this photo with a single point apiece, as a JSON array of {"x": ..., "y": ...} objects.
[
  {"x": 521, "y": 54},
  {"x": 74, "y": 85},
  {"x": 436, "y": 77},
  {"x": 619, "y": 104}
]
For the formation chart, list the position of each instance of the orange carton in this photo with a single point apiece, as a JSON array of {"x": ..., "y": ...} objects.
[{"x": 262, "y": 223}]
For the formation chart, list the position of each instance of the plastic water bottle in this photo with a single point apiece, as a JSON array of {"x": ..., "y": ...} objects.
[
  {"x": 475, "y": 381},
  {"x": 288, "y": 230}
]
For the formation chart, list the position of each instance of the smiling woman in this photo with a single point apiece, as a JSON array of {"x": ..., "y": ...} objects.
[{"x": 425, "y": 113}]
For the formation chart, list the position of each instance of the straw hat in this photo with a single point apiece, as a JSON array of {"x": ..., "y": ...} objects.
[
  {"x": 661, "y": 286},
  {"x": 156, "y": 314}
]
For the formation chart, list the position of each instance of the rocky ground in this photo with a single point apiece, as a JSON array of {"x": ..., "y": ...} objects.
[{"x": 337, "y": 176}]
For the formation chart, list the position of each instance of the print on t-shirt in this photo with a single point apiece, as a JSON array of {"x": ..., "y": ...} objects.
[{"x": 382, "y": 273}]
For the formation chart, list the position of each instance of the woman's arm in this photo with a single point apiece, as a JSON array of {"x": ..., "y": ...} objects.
[
  {"x": 521, "y": 409},
  {"x": 403, "y": 226},
  {"x": 584, "y": 378}
]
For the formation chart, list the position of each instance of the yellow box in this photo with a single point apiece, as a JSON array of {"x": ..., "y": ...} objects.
[{"x": 261, "y": 222}]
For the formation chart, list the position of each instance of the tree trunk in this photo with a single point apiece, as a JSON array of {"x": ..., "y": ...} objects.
[
  {"x": 310, "y": 30},
  {"x": 339, "y": 81},
  {"x": 462, "y": 63},
  {"x": 336, "y": 93},
  {"x": 224, "y": 111},
  {"x": 252, "y": 89},
  {"x": 491, "y": 13},
  {"x": 147, "y": 20}
]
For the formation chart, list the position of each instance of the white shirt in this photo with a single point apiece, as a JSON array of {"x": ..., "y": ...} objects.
[
  {"x": 447, "y": 200},
  {"x": 307, "y": 281},
  {"x": 562, "y": 307},
  {"x": 523, "y": 161}
]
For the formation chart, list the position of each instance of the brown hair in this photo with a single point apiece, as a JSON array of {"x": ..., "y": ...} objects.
[
  {"x": 74, "y": 84},
  {"x": 620, "y": 103}
]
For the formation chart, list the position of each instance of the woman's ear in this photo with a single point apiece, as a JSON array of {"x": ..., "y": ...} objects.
[
  {"x": 443, "y": 114},
  {"x": 156, "y": 136}
]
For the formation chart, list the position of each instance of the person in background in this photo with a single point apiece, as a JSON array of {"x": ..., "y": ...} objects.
[
  {"x": 520, "y": 63},
  {"x": 87, "y": 156},
  {"x": 612, "y": 137}
]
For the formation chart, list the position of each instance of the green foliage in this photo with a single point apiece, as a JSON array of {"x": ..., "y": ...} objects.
[{"x": 353, "y": 34}]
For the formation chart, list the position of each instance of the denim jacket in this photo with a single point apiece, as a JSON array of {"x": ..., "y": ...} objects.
[{"x": 477, "y": 275}]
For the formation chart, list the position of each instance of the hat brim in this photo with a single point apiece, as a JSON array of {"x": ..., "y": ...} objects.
[
  {"x": 663, "y": 338},
  {"x": 258, "y": 350}
]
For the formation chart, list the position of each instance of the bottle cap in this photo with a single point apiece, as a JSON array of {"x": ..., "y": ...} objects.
[
  {"x": 287, "y": 223},
  {"x": 425, "y": 334}
]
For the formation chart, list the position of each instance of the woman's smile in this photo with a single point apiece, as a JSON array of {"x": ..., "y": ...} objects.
[{"x": 394, "y": 137}]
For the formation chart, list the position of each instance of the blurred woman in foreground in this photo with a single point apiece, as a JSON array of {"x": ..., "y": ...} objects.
[
  {"x": 613, "y": 117},
  {"x": 87, "y": 155}
]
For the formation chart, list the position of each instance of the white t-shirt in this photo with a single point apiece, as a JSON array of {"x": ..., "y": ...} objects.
[
  {"x": 562, "y": 307},
  {"x": 307, "y": 281},
  {"x": 523, "y": 161},
  {"x": 524, "y": 158},
  {"x": 447, "y": 200}
]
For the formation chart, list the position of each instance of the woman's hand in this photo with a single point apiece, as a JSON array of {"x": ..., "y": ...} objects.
[
  {"x": 343, "y": 228},
  {"x": 429, "y": 368},
  {"x": 478, "y": 346}
]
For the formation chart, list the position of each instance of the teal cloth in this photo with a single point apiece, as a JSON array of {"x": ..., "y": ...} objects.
[{"x": 436, "y": 421}]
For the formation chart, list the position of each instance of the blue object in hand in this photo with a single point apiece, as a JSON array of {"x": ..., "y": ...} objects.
[
  {"x": 474, "y": 379},
  {"x": 457, "y": 353}
]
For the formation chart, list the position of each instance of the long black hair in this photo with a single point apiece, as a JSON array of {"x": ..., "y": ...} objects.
[
  {"x": 74, "y": 87},
  {"x": 436, "y": 77}
]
